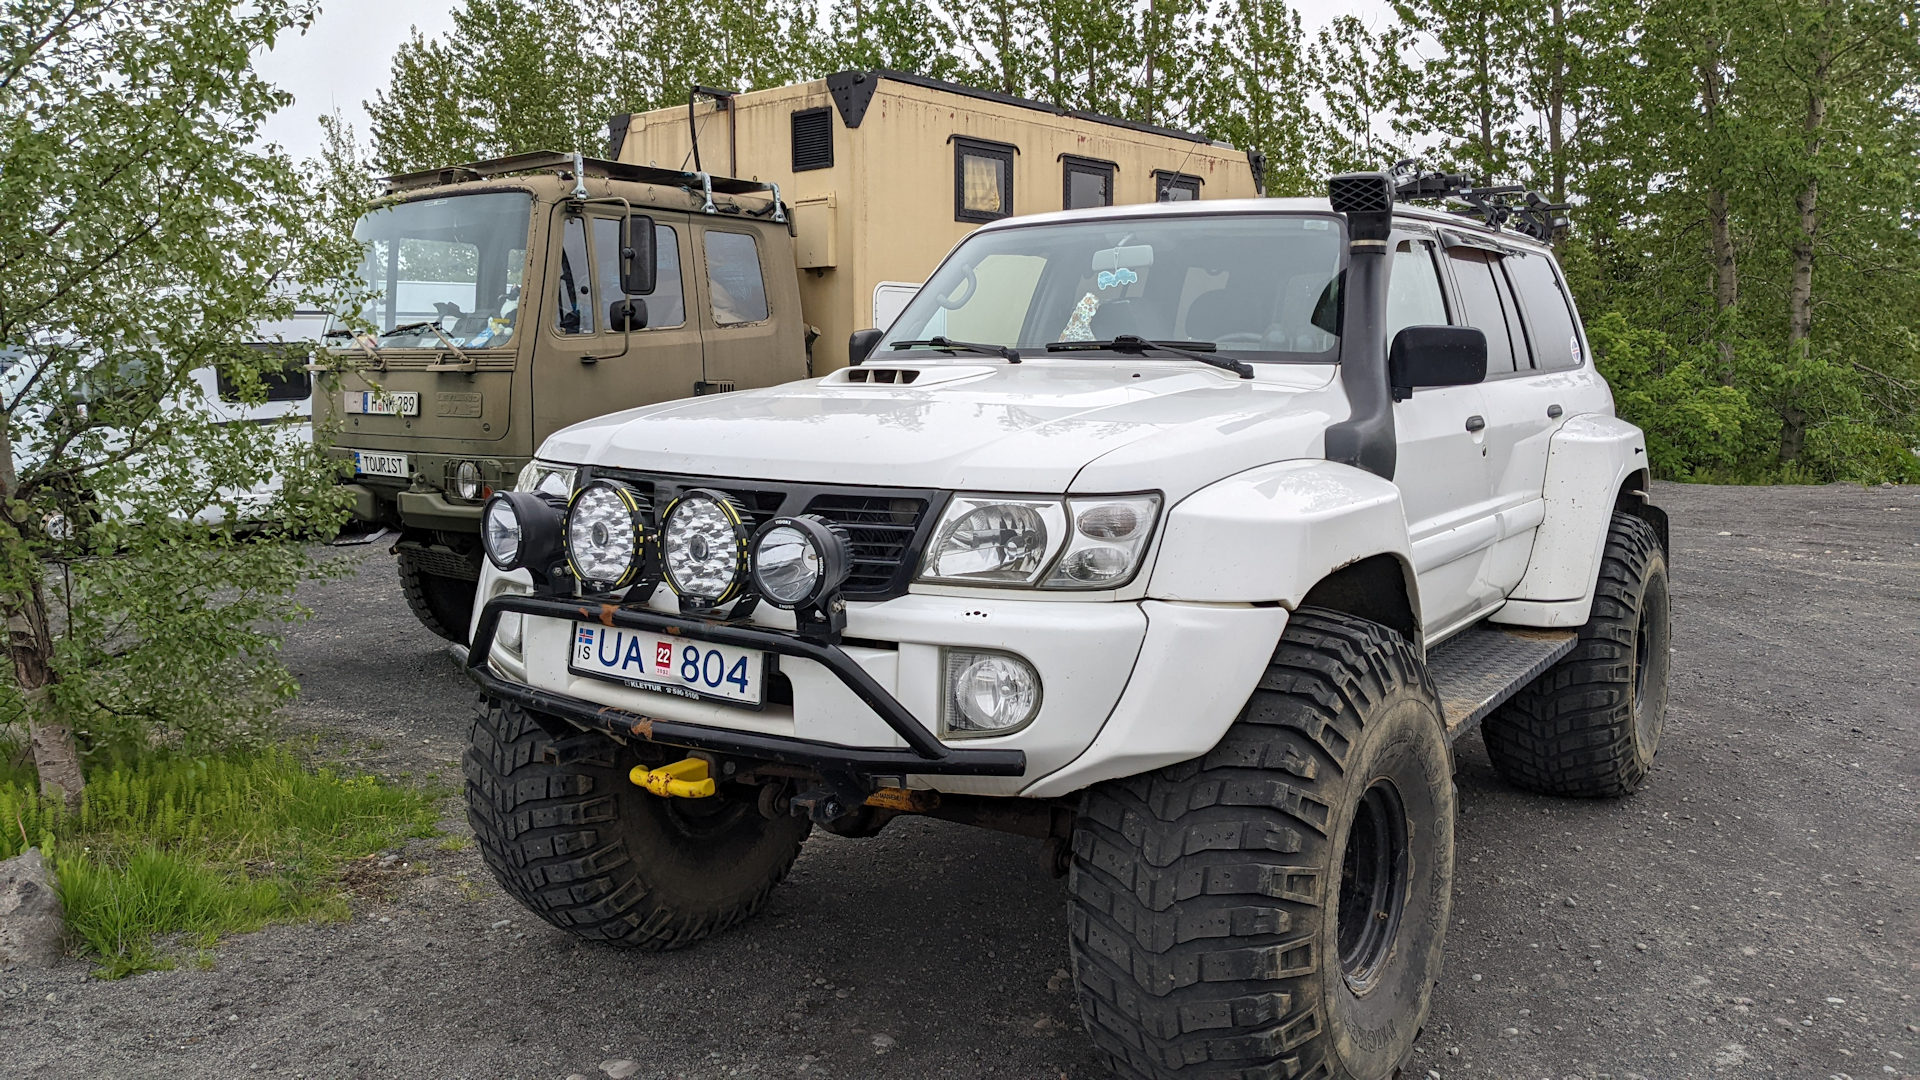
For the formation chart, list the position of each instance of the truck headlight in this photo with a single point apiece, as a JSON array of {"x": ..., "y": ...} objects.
[
  {"x": 1077, "y": 543},
  {"x": 703, "y": 547},
  {"x": 546, "y": 476},
  {"x": 987, "y": 693},
  {"x": 521, "y": 530},
  {"x": 606, "y": 535},
  {"x": 467, "y": 482}
]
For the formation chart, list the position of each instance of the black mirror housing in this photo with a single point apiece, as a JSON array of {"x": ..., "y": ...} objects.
[
  {"x": 638, "y": 269},
  {"x": 1436, "y": 356},
  {"x": 627, "y": 314},
  {"x": 860, "y": 345}
]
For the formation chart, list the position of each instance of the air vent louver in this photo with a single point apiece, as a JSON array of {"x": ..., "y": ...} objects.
[{"x": 812, "y": 139}]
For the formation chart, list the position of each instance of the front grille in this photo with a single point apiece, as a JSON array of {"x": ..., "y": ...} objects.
[{"x": 886, "y": 526}]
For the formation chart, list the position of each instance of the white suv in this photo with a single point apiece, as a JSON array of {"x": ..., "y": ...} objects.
[{"x": 1183, "y": 538}]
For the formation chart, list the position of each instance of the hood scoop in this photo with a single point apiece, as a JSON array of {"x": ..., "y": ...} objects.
[{"x": 893, "y": 375}]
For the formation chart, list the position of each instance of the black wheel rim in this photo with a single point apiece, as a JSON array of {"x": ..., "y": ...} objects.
[
  {"x": 1649, "y": 667},
  {"x": 1373, "y": 885}
]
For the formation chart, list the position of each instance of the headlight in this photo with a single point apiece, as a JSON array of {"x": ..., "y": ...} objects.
[
  {"x": 606, "y": 531},
  {"x": 521, "y": 530},
  {"x": 1076, "y": 543},
  {"x": 798, "y": 561},
  {"x": 703, "y": 547},
  {"x": 547, "y": 477},
  {"x": 466, "y": 481},
  {"x": 987, "y": 693}
]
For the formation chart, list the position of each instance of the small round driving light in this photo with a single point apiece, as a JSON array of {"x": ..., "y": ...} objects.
[
  {"x": 466, "y": 481},
  {"x": 988, "y": 693},
  {"x": 500, "y": 533},
  {"x": 520, "y": 530},
  {"x": 799, "y": 561},
  {"x": 606, "y": 535},
  {"x": 703, "y": 547}
]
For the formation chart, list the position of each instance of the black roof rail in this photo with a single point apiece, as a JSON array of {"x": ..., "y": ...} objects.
[
  {"x": 555, "y": 161},
  {"x": 1496, "y": 206}
]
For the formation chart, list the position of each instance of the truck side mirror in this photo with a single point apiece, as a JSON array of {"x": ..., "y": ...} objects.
[
  {"x": 628, "y": 314},
  {"x": 860, "y": 345},
  {"x": 1435, "y": 356},
  {"x": 637, "y": 267}
]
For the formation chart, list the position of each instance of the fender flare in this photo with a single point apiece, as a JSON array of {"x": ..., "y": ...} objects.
[{"x": 1590, "y": 460}]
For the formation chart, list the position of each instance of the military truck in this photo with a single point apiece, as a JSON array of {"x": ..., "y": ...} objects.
[
  {"x": 1192, "y": 564},
  {"x": 517, "y": 296}
]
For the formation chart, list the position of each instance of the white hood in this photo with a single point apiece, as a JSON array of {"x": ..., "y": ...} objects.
[{"x": 1032, "y": 427}]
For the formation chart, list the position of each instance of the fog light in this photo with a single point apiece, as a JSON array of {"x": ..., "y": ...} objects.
[
  {"x": 466, "y": 481},
  {"x": 987, "y": 693},
  {"x": 512, "y": 631}
]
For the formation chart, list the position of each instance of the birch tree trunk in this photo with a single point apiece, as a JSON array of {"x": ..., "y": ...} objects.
[{"x": 1793, "y": 428}]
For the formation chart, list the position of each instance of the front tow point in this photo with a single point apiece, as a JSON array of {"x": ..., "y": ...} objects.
[{"x": 686, "y": 779}]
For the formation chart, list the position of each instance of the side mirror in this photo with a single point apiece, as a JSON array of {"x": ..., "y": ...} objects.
[
  {"x": 628, "y": 314},
  {"x": 860, "y": 345},
  {"x": 1435, "y": 356},
  {"x": 637, "y": 267}
]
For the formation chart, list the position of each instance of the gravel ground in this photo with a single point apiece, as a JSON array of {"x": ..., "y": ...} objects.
[{"x": 1751, "y": 913}]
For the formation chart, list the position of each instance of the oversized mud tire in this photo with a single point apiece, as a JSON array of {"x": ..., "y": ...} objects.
[
  {"x": 443, "y": 604},
  {"x": 1276, "y": 908},
  {"x": 1590, "y": 725},
  {"x": 570, "y": 837}
]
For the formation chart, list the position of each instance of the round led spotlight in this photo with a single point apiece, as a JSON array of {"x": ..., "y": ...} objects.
[
  {"x": 466, "y": 481},
  {"x": 799, "y": 561},
  {"x": 606, "y": 535},
  {"x": 520, "y": 530},
  {"x": 703, "y": 547}
]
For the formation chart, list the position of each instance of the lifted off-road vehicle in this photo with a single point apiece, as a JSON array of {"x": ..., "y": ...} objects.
[{"x": 1190, "y": 558}]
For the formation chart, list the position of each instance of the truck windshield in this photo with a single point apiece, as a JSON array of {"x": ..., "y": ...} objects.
[
  {"x": 455, "y": 262},
  {"x": 1259, "y": 287}
]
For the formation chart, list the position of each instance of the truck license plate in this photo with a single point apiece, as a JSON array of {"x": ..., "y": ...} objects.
[
  {"x": 669, "y": 665},
  {"x": 382, "y": 403},
  {"x": 394, "y": 465}
]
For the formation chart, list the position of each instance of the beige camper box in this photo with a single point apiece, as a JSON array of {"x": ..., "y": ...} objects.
[{"x": 885, "y": 172}]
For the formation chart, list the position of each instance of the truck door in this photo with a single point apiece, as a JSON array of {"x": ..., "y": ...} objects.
[
  {"x": 749, "y": 310},
  {"x": 587, "y": 368},
  {"x": 1442, "y": 470}
]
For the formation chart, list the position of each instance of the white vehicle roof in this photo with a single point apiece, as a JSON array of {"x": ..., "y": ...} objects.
[{"x": 1425, "y": 214}]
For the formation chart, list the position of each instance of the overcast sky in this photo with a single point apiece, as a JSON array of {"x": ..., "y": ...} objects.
[{"x": 344, "y": 58}]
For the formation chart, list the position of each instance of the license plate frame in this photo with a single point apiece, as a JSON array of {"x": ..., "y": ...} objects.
[
  {"x": 382, "y": 402},
  {"x": 390, "y": 466},
  {"x": 661, "y": 672}
]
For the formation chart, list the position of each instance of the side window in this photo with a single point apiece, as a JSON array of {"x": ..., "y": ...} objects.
[
  {"x": 982, "y": 180},
  {"x": 734, "y": 286},
  {"x": 573, "y": 288},
  {"x": 1175, "y": 187},
  {"x": 1413, "y": 289},
  {"x": 1088, "y": 182},
  {"x": 1474, "y": 270},
  {"x": 665, "y": 307},
  {"x": 1550, "y": 320},
  {"x": 1517, "y": 333}
]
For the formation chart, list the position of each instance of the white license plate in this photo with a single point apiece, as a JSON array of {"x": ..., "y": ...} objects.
[
  {"x": 379, "y": 403},
  {"x": 668, "y": 664},
  {"x": 394, "y": 465}
]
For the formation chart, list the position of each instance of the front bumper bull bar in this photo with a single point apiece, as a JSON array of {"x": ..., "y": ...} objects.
[{"x": 924, "y": 754}]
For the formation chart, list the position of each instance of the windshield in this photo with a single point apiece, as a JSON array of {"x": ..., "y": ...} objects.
[
  {"x": 455, "y": 262},
  {"x": 1262, "y": 287}
]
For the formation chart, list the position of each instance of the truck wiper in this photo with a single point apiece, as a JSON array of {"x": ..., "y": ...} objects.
[
  {"x": 1203, "y": 351},
  {"x": 366, "y": 342},
  {"x": 1000, "y": 351}
]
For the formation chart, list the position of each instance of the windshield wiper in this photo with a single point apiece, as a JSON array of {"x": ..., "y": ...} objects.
[
  {"x": 1133, "y": 343},
  {"x": 1000, "y": 351},
  {"x": 429, "y": 324},
  {"x": 365, "y": 341}
]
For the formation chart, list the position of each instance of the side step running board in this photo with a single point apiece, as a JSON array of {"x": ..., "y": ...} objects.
[{"x": 1478, "y": 670}]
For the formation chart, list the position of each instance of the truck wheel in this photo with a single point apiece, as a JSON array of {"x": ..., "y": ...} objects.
[
  {"x": 1591, "y": 724},
  {"x": 1277, "y": 907},
  {"x": 574, "y": 841},
  {"x": 443, "y": 605}
]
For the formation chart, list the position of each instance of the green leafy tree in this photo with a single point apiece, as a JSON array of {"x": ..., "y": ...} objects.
[
  {"x": 1258, "y": 88},
  {"x": 143, "y": 235},
  {"x": 1365, "y": 85},
  {"x": 901, "y": 35}
]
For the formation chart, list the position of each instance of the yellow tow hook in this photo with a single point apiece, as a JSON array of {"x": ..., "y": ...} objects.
[{"x": 685, "y": 779}]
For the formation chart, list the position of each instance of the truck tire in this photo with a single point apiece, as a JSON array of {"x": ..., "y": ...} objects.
[
  {"x": 1590, "y": 726},
  {"x": 1277, "y": 907},
  {"x": 443, "y": 604},
  {"x": 570, "y": 837}
]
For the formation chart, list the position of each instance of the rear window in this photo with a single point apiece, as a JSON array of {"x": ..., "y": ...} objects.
[
  {"x": 1482, "y": 305},
  {"x": 291, "y": 383},
  {"x": 1550, "y": 320}
]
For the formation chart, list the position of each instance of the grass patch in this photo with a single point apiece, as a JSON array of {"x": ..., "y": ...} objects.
[{"x": 171, "y": 847}]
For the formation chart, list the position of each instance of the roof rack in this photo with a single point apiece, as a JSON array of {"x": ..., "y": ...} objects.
[
  {"x": 1497, "y": 206},
  {"x": 702, "y": 183}
]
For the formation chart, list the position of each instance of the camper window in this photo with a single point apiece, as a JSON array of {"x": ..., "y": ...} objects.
[
  {"x": 1088, "y": 182},
  {"x": 665, "y": 306},
  {"x": 1175, "y": 187},
  {"x": 982, "y": 180},
  {"x": 573, "y": 313},
  {"x": 735, "y": 287}
]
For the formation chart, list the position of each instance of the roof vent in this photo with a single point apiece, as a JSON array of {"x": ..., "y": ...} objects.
[{"x": 813, "y": 139}]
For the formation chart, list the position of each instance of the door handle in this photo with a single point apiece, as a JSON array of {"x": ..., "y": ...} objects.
[
  {"x": 1475, "y": 423},
  {"x": 1553, "y": 412}
]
